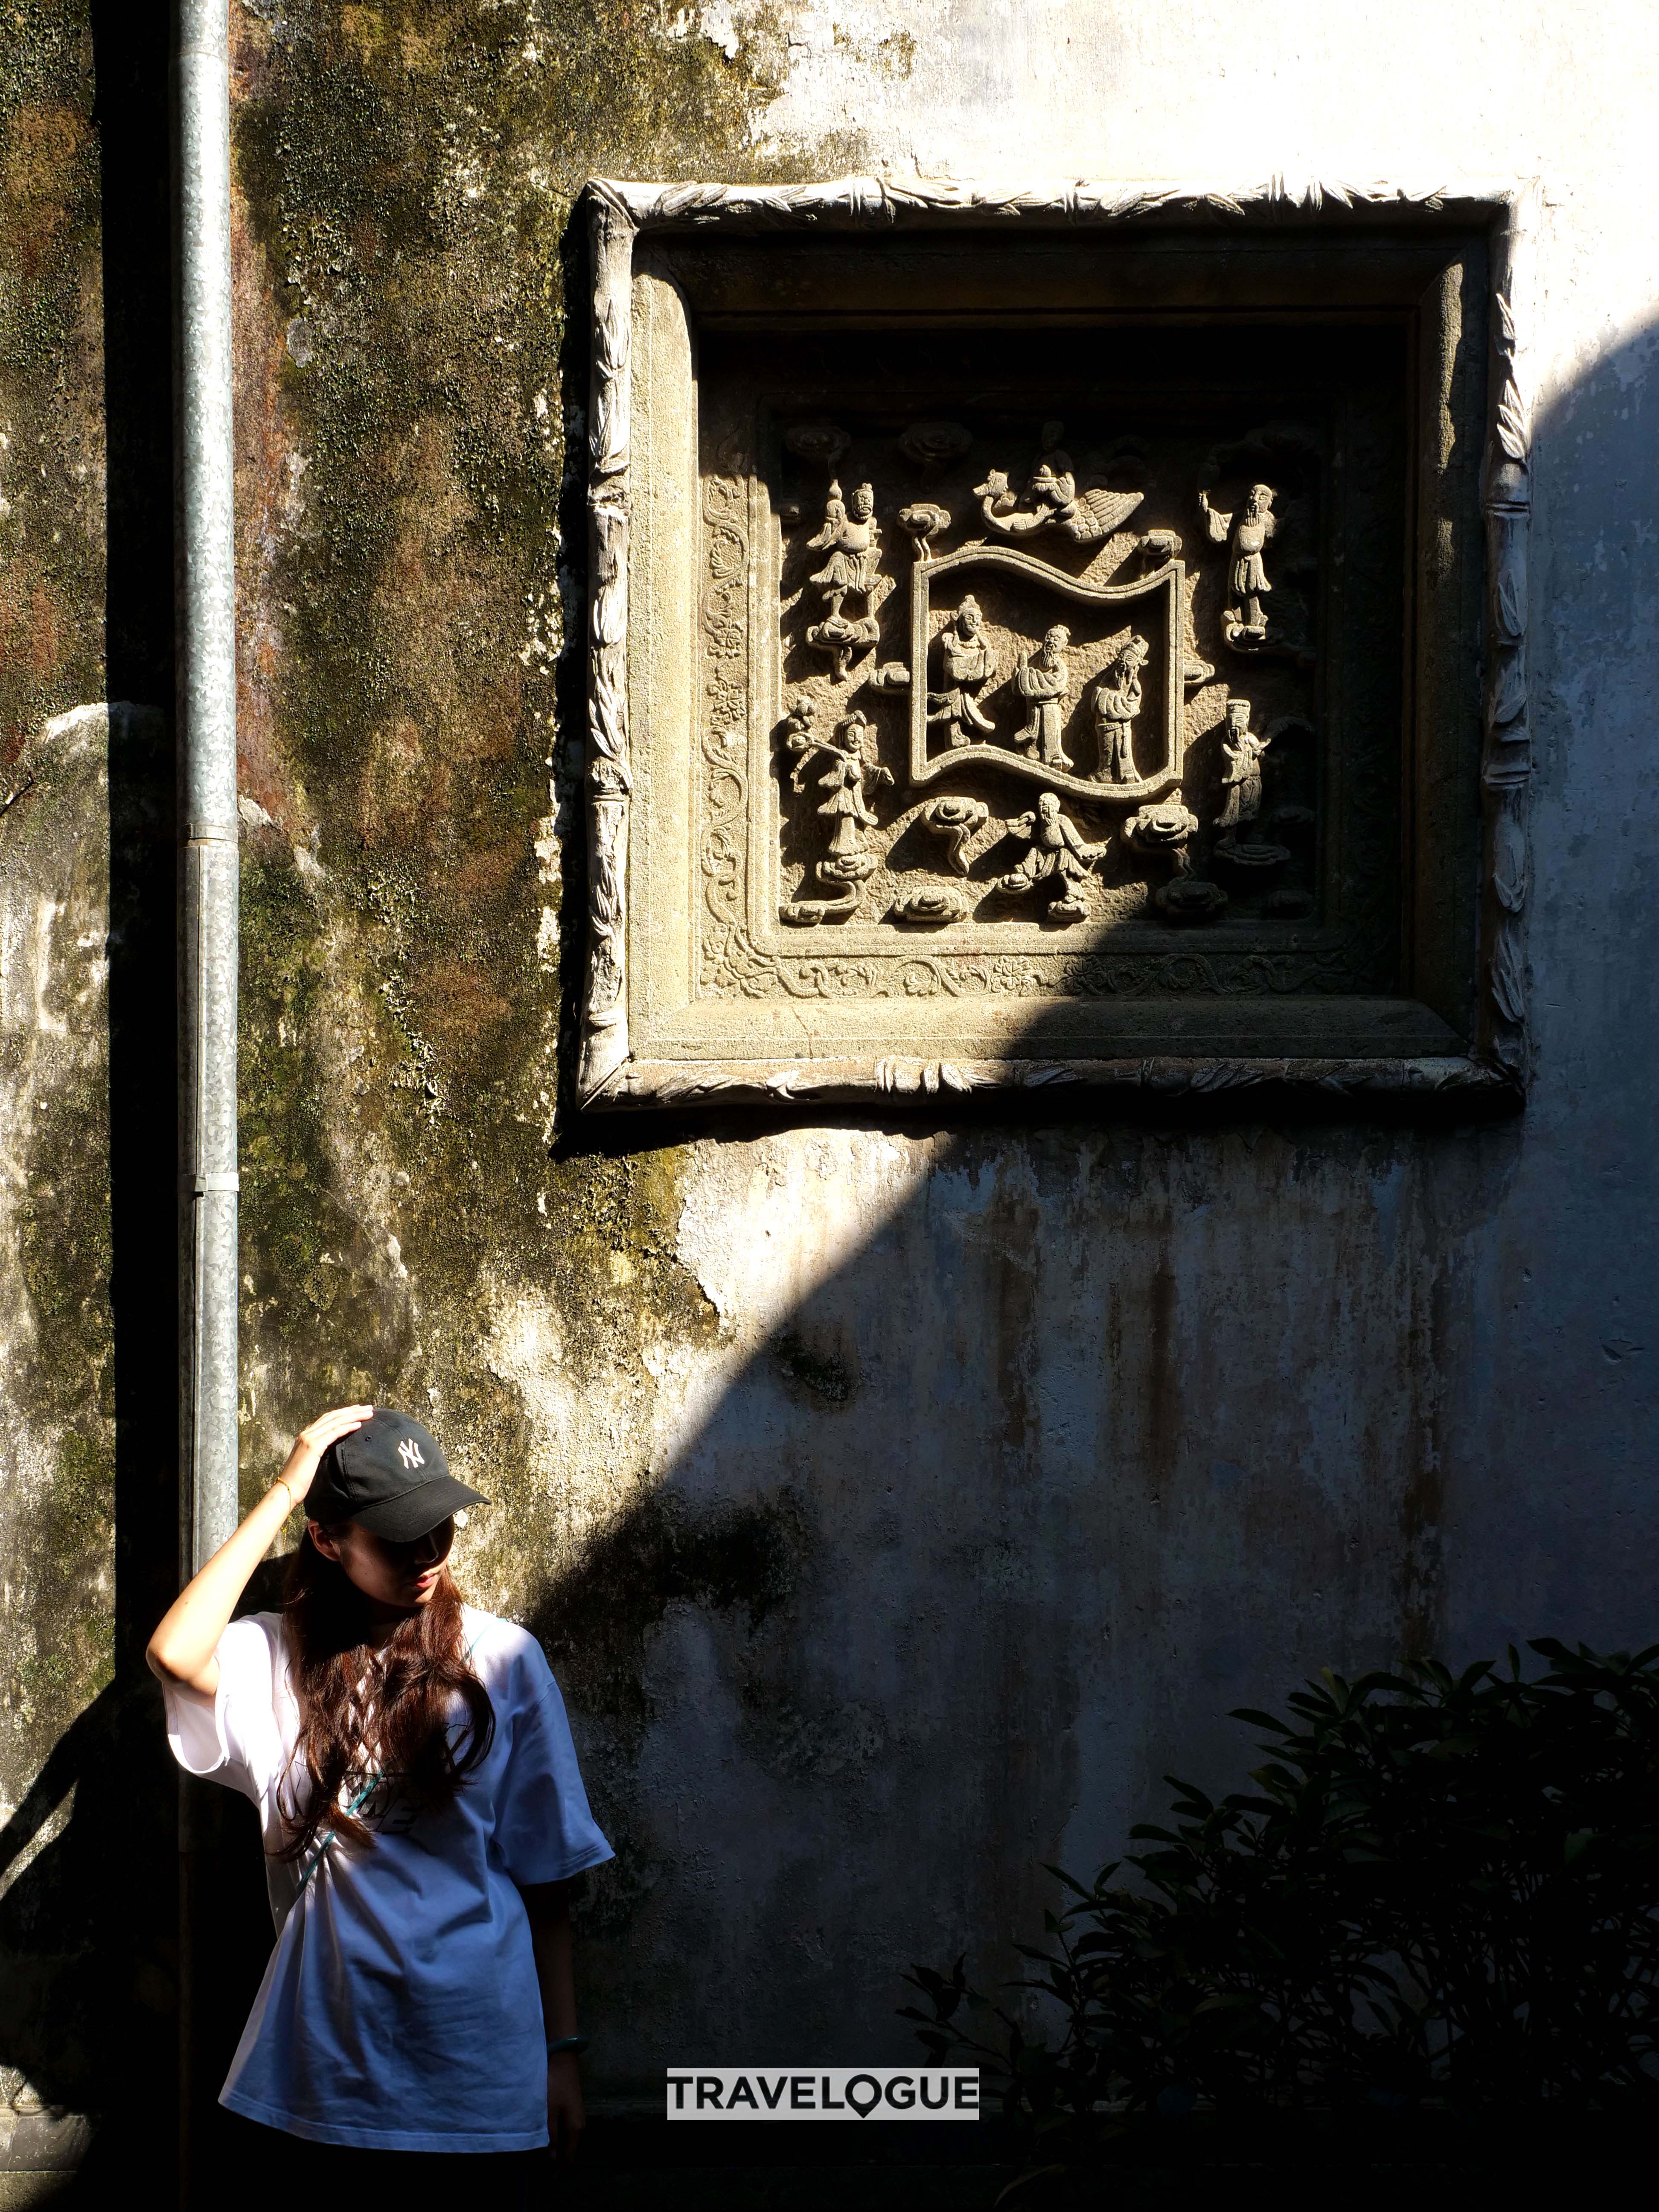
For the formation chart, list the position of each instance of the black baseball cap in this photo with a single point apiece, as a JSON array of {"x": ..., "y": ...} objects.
[{"x": 391, "y": 1477}]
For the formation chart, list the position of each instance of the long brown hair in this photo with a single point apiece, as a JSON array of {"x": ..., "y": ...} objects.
[{"x": 386, "y": 1712}]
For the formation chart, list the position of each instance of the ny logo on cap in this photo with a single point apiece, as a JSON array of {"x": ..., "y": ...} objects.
[{"x": 409, "y": 1452}]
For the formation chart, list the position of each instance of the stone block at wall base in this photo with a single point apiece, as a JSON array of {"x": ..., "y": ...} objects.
[{"x": 19, "y": 2190}]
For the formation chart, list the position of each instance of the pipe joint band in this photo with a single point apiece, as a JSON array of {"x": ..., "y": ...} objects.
[{"x": 199, "y": 1185}]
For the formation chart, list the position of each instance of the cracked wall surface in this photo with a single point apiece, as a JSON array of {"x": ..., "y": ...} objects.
[{"x": 898, "y": 1504}]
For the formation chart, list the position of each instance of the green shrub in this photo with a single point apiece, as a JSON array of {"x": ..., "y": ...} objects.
[{"x": 1442, "y": 1893}]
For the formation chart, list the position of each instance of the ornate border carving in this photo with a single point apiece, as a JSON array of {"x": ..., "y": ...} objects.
[
  {"x": 1506, "y": 763},
  {"x": 1164, "y": 1077},
  {"x": 609, "y": 771},
  {"x": 620, "y": 211}
]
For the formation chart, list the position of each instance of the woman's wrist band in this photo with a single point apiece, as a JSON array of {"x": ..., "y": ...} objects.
[
  {"x": 561, "y": 2043},
  {"x": 287, "y": 1492}
]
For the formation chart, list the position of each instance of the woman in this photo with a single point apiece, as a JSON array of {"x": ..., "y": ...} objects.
[{"x": 423, "y": 1816}]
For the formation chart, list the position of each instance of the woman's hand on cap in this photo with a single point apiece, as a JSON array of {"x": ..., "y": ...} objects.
[{"x": 300, "y": 1469}]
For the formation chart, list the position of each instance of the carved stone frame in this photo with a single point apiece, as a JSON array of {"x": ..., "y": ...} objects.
[{"x": 611, "y": 1072}]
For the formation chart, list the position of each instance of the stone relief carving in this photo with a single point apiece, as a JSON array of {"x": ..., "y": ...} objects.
[
  {"x": 969, "y": 666},
  {"x": 850, "y": 761},
  {"x": 753, "y": 973},
  {"x": 1006, "y": 697},
  {"x": 1165, "y": 829},
  {"x": 1506, "y": 764},
  {"x": 1169, "y": 831},
  {"x": 824, "y": 443},
  {"x": 853, "y": 539},
  {"x": 1265, "y": 519},
  {"x": 1057, "y": 859},
  {"x": 923, "y": 522},
  {"x": 1162, "y": 1077},
  {"x": 1245, "y": 535},
  {"x": 1117, "y": 701},
  {"x": 955, "y": 820},
  {"x": 1243, "y": 773},
  {"x": 609, "y": 778},
  {"x": 1189, "y": 898},
  {"x": 931, "y": 446},
  {"x": 1054, "y": 502},
  {"x": 851, "y": 773},
  {"x": 725, "y": 781},
  {"x": 1044, "y": 680},
  {"x": 934, "y": 904},
  {"x": 1239, "y": 854},
  {"x": 877, "y": 204},
  {"x": 1003, "y": 690}
]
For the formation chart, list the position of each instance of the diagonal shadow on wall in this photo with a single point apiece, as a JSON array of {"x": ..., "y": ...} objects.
[
  {"x": 1074, "y": 1436},
  {"x": 1096, "y": 1433},
  {"x": 1034, "y": 1448}
]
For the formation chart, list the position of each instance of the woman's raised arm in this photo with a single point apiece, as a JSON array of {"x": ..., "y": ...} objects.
[{"x": 182, "y": 1650}]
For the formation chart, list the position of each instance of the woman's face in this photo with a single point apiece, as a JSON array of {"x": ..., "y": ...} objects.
[{"x": 397, "y": 1577}]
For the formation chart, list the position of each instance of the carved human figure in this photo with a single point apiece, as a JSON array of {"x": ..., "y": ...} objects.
[
  {"x": 968, "y": 665},
  {"x": 853, "y": 772},
  {"x": 1249, "y": 528},
  {"x": 1058, "y": 855},
  {"x": 853, "y": 537},
  {"x": 1046, "y": 680},
  {"x": 1116, "y": 703},
  {"x": 1084, "y": 516},
  {"x": 852, "y": 533},
  {"x": 1242, "y": 778}
]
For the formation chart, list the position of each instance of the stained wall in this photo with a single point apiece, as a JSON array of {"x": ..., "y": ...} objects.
[{"x": 898, "y": 1501}]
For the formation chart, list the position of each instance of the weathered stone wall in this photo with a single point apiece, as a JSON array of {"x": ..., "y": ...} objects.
[
  {"x": 898, "y": 1504},
  {"x": 88, "y": 1861},
  {"x": 55, "y": 1406}
]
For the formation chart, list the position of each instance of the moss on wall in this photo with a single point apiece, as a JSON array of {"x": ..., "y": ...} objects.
[
  {"x": 62, "y": 1388},
  {"x": 51, "y": 364},
  {"x": 412, "y": 366},
  {"x": 56, "y": 1397}
]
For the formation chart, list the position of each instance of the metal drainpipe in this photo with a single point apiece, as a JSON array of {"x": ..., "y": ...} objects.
[
  {"x": 205, "y": 646},
  {"x": 208, "y": 872}
]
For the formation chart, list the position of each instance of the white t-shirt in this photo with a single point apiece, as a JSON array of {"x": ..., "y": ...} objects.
[{"x": 400, "y": 2009}]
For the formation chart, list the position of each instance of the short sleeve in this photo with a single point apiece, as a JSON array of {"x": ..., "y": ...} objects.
[
  {"x": 544, "y": 1829},
  {"x": 232, "y": 1737}
]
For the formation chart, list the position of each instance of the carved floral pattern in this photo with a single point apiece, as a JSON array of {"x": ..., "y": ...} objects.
[
  {"x": 750, "y": 973},
  {"x": 723, "y": 741}
]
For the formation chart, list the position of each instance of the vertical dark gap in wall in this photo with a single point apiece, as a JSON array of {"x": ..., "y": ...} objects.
[
  {"x": 130, "y": 57},
  {"x": 128, "y": 1898}
]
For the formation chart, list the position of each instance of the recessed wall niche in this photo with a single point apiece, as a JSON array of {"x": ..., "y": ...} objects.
[{"x": 1042, "y": 643}]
